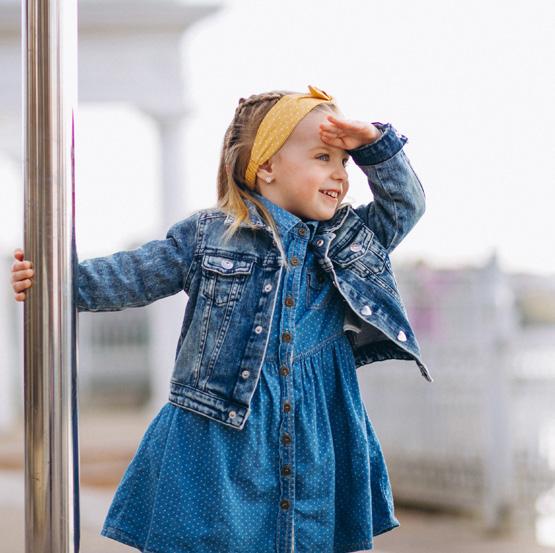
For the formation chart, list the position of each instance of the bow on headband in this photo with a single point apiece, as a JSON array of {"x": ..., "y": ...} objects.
[{"x": 319, "y": 93}]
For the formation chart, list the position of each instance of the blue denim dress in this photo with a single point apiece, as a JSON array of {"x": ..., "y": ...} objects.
[{"x": 305, "y": 474}]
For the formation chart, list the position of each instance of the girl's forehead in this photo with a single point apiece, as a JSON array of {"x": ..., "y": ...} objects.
[
  {"x": 307, "y": 133},
  {"x": 317, "y": 116},
  {"x": 309, "y": 126}
]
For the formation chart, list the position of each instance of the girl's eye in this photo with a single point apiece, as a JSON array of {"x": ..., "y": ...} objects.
[{"x": 345, "y": 161}]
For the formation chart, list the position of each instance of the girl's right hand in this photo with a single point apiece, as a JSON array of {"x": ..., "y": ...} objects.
[{"x": 22, "y": 275}]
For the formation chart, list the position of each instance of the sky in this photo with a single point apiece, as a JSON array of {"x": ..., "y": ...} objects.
[{"x": 470, "y": 84}]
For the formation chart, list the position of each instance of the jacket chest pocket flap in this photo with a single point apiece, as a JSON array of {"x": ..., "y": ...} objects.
[
  {"x": 362, "y": 251},
  {"x": 223, "y": 278}
]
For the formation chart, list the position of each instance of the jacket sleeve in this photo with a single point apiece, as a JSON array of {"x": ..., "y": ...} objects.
[
  {"x": 399, "y": 198},
  {"x": 137, "y": 277}
]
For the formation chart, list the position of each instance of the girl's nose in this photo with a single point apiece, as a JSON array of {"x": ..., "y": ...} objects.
[{"x": 340, "y": 173}]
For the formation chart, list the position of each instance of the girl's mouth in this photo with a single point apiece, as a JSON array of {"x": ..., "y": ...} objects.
[{"x": 331, "y": 196}]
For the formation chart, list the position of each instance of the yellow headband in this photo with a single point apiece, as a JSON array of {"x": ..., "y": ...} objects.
[{"x": 278, "y": 124}]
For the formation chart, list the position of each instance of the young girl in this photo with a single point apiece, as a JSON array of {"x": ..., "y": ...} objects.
[{"x": 265, "y": 444}]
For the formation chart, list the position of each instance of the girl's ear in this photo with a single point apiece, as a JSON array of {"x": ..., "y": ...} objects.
[{"x": 265, "y": 171}]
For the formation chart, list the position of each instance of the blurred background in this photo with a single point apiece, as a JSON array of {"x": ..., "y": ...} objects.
[{"x": 472, "y": 455}]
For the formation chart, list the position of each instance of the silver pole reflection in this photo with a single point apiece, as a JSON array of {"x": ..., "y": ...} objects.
[{"x": 49, "y": 58}]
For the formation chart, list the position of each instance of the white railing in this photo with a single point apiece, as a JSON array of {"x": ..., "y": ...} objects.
[
  {"x": 481, "y": 437},
  {"x": 114, "y": 363}
]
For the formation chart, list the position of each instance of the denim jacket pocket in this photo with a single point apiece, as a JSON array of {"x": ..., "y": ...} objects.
[
  {"x": 361, "y": 253},
  {"x": 374, "y": 264},
  {"x": 223, "y": 278}
]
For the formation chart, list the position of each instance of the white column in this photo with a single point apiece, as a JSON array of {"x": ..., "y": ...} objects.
[
  {"x": 166, "y": 316},
  {"x": 174, "y": 193}
]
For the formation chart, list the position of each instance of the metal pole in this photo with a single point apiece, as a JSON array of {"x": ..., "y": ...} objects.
[{"x": 49, "y": 56}]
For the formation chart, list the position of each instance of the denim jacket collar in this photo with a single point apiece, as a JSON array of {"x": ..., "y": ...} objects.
[
  {"x": 321, "y": 227},
  {"x": 285, "y": 220}
]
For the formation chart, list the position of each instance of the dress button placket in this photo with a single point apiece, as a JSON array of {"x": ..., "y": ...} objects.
[{"x": 296, "y": 252}]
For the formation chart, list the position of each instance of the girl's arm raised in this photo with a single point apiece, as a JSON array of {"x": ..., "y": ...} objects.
[
  {"x": 399, "y": 198},
  {"x": 138, "y": 277}
]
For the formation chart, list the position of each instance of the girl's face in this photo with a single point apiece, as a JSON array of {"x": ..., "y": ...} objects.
[{"x": 303, "y": 168}]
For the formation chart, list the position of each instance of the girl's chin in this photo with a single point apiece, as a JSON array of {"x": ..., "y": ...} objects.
[
  {"x": 321, "y": 215},
  {"x": 320, "y": 212}
]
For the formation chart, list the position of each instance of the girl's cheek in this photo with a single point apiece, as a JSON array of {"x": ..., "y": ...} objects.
[{"x": 345, "y": 190}]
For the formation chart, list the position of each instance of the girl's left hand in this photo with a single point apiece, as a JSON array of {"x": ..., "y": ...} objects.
[{"x": 347, "y": 133}]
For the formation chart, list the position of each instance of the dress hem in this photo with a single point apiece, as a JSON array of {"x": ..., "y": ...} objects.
[
  {"x": 122, "y": 537},
  {"x": 394, "y": 524},
  {"x": 366, "y": 544}
]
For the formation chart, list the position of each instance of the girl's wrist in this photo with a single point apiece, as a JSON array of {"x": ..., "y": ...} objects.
[{"x": 373, "y": 134}]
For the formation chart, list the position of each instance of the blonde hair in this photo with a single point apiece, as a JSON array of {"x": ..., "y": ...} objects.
[{"x": 239, "y": 137}]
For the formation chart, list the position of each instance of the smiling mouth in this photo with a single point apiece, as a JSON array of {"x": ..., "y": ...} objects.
[{"x": 333, "y": 196}]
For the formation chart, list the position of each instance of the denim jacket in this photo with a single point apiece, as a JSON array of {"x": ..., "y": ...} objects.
[{"x": 232, "y": 288}]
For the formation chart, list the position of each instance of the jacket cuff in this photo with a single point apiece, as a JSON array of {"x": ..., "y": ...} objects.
[{"x": 382, "y": 149}]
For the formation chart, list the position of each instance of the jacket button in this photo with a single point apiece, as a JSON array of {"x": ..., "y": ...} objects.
[
  {"x": 287, "y": 407},
  {"x": 232, "y": 414},
  {"x": 258, "y": 329},
  {"x": 302, "y": 231},
  {"x": 294, "y": 260},
  {"x": 286, "y": 336},
  {"x": 284, "y": 504},
  {"x": 286, "y": 470},
  {"x": 245, "y": 374},
  {"x": 366, "y": 310},
  {"x": 289, "y": 301},
  {"x": 267, "y": 288},
  {"x": 284, "y": 371},
  {"x": 227, "y": 263},
  {"x": 286, "y": 439},
  {"x": 319, "y": 242},
  {"x": 402, "y": 336},
  {"x": 356, "y": 247}
]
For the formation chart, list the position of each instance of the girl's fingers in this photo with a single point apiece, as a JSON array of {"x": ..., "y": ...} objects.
[
  {"x": 333, "y": 138},
  {"x": 337, "y": 142},
  {"x": 347, "y": 124},
  {"x": 329, "y": 134},
  {"x": 340, "y": 122},
  {"x": 328, "y": 128},
  {"x": 333, "y": 126},
  {"x": 21, "y": 265},
  {"x": 22, "y": 285},
  {"x": 20, "y": 275},
  {"x": 332, "y": 130}
]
